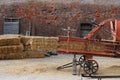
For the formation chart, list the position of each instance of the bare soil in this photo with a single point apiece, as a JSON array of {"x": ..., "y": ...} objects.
[{"x": 45, "y": 68}]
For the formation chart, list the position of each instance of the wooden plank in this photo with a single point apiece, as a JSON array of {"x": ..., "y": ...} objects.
[{"x": 85, "y": 52}]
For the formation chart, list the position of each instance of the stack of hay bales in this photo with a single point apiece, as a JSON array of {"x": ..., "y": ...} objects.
[
  {"x": 13, "y": 47},
  {"x": 89, "y": 46},
  {"x": 40, "y": 43},
  {"x": 36, "y": 46},
  {"x": 10, "y": 45}
]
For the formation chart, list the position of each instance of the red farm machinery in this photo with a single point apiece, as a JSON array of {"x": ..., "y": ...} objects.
[{"x": 102, "y": 40}]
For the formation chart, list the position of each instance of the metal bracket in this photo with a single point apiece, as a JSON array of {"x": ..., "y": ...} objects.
[{"x": 72, "y": 64}]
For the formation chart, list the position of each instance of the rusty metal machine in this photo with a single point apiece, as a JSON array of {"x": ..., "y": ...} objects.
[{"x": 102, "y": 40}]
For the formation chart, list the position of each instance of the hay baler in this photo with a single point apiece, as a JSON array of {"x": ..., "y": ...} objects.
[{"x": 102, "y": 40}]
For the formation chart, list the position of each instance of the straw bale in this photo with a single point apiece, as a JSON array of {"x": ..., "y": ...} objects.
[
  {"x": 11, "y": 49},
  {"x": 9, "y": 41},
  {"x": 10, "y": 36},
  {"x": 14, "y": 56},
  {"x": 25, "y": 40},
  {"x": 42, "y": 43},
  {"x": 34, "y": 54},
  {"x": 2, "y": 56},
  {"x": 72, "y": 45},
  {"x": 22, "y": 55},
  {"x": 6, "y": 40},
  {"x": 82, "y": 45},
  {"x": 96, "y": 47}
]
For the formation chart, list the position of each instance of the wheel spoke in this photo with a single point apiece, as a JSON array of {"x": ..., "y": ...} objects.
[{"x": 95, "y": 66}]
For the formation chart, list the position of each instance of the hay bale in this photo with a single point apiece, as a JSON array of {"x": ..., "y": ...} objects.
[
  {"x": 22, "y": 55},
  {"x": 96, "y": 46},
  {"x": 72, "y": 45},
  {"x": 34, "y": 54},
  {"x": 82, "y": 45},
  {"x": 40, "y": 43},
  {"x": 6, "y": 40},
  {"x": 11, "y": 49},
  {"x": 14, "y": 56},
  {"x": 2, "y": 56},
  {"x": 9, "y": 41}
]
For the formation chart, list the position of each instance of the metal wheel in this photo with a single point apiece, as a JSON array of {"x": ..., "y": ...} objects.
[
  {"x": 90, "y": 66},
  {"x": 81, "y": 60}
]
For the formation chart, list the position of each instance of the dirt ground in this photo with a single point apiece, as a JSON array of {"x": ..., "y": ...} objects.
[{"x": 45, "y": 68}]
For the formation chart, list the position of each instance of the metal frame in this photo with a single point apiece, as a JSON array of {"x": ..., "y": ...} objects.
[
  {"x": 90, "y": 53},
  {"x": 100, "y": 77},
  {"x": 72, "y": 64}
]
